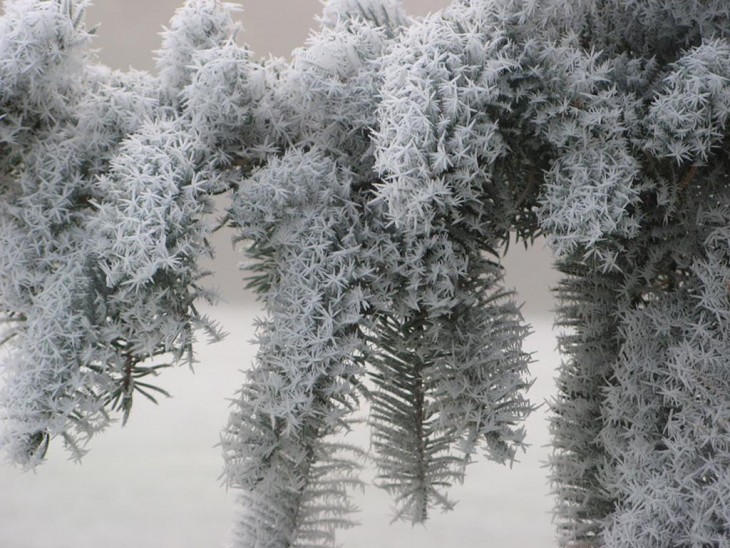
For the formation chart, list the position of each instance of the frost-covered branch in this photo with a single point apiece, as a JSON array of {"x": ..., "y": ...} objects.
[{"x": 375, "y": 181}]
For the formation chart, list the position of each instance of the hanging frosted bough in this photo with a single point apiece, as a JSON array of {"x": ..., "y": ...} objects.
[
  {"x": 589, "y": 302},
  {"x": 446, "y": 386},
  {"x": 62, "y": 122},
  {"x": 282, "y": 444},
  {"x": 302, "y": 217},
  {"x": 152, "y": 228},
  {"x": 446, "y": 345},
  {"x": 667, "y": 411},
  {"x": 106, "y": 220},
  {"x": 629, "y": 466}
]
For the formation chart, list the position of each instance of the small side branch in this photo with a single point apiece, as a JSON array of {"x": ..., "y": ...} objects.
[{"x": 688, "y": 178}]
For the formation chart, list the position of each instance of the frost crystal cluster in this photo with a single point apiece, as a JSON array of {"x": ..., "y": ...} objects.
[{"x": 375, "y": 180}]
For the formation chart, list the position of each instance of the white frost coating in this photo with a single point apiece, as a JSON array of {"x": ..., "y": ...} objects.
[
  {"x": 445, "y": 84},
  {"x": 375, "y": 180},
  {"x": 671, "y": 479},
  {"x": 688, "y": 116},
  {"x": 199, "y": 25},
  {"x": 83, "y": 164},
  {"x": 280, "y": 442}
]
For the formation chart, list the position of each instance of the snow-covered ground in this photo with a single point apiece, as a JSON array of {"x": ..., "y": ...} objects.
[{"x": 156, "y": 482}]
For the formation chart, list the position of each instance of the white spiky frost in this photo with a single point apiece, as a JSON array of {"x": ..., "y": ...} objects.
[{"x": 375, "y": 180}]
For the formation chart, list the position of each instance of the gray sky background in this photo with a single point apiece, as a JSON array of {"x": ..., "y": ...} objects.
[
  {"x": 129, "y": 29},
  {"x": 128, "y": 34}
]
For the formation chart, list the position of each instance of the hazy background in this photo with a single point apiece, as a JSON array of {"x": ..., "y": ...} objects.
[{"x": 156, "y": 482}]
